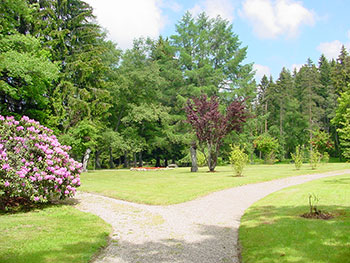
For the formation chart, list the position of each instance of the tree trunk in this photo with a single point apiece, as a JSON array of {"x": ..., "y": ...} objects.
[
  {"x": 265, "y": 118},
  {"x": 166, "y": 162},
  {"x": 135, "y": 159},
  {"x": 157, "y": 161},
  {"x": 212, "y": 159},
  {"x": 119, "y": 119},
  {"x": 126, "y": 160},
  {"x": 337, "y": 146},
  {"x": 86, "y": 159},
  {"x": 97, "y": 159},
  {"x": 111, "y": 162},
  {"x": 281, "y": 122},
  {"x": 193, "y": 153},
  {"x": 310, "y": 121},
  {"x": 140, "y": 159}
]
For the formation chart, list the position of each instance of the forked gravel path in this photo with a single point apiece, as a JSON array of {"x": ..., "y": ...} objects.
[{"x": 204, "y": 230}]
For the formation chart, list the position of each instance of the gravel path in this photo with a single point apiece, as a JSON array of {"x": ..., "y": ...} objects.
[{"x": 204, "y": 230}]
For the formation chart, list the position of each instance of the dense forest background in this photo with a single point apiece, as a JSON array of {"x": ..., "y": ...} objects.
[{"x": 127, "y": 107}]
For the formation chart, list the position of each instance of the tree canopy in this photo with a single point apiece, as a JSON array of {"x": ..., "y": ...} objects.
[{"x": 128, "y": 107}]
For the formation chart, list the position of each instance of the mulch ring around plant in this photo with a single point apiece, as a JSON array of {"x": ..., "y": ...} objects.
[{"x": 318, "y": 215}]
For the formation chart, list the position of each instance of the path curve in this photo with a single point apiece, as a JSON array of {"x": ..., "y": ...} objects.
[{"x": 204, "y": 230}]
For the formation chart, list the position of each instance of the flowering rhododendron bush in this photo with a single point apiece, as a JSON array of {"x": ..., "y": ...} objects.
[{"x": 34, "y": 165}]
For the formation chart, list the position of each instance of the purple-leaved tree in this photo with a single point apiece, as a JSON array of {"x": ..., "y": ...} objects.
[{"x": 211, "y": 126}]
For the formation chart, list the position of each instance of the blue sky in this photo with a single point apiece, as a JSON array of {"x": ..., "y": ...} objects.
[{"x": 278, "y": 33}]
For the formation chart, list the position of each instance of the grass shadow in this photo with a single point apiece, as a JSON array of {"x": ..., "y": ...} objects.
[
  {"x": 338, "y": 181},
  {"x": 72, "y": 252},
  {"x": 30, "y": 207},
  {"x": 271, "y": 234}
]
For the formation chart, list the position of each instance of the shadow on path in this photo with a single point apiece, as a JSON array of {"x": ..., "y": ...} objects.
[{"x": 214, "y": 245}]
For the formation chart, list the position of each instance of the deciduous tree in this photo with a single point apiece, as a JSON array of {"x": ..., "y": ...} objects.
[{"x": 211, "y": 126}]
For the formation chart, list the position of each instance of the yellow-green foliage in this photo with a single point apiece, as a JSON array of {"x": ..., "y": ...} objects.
[
  {"x": 238, "y": 159},
  {"x": 201, "y": 159},
  {"x": 314, "y": 159},
  {"x": 268, "y": 146},
  {"x": 325, "y": 157},
  {"x": 297, "y": 157}
]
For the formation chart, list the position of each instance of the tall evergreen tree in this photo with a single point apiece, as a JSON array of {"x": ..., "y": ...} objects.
[
  {"x": 310, "y": 88},
  {"x": 341, "y": 71},
  {"x": 262, "y": 108},
  {"x": 211, "y": 58}
]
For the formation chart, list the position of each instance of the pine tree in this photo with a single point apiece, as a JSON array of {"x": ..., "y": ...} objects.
[{"x": 309, "y": 88}]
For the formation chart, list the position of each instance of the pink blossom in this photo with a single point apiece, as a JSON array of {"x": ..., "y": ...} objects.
[
  {"x": 6, "y": 167},
  {"x": 48, "y": 160},
  {"x": 32, "y": 178},
  {"x": 25, "y": 118}
]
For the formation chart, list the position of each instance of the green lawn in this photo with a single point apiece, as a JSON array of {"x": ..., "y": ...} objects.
[
  {"x": 53, "y": 234},
  {"x": 180, "y": 185},
  {"x": 272, "y": 230}
]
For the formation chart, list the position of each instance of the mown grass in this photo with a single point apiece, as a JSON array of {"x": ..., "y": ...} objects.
[
  {"x": 272, "y": 230},
  {"x": 180, "y": 185},
  {"x": 58, "y": 233}
]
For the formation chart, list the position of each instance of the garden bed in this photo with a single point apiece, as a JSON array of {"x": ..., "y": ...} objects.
[{"x": 150, "y": 168}]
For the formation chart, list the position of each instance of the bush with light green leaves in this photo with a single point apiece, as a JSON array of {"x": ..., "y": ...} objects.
[
  {"x": 298, "y": 157},
  {"x": 238, "y": 159},
  {"x": 314, "y": 158}
]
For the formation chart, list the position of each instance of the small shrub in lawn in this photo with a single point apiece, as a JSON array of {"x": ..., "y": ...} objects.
[
  {"x": 34, "y": 165},
  {"x": 238, "y": 159},
  {"x": 268, "y": 146},
  {"x": 314, "y": 159},
  {"x": 298, "y": 157},
  {"x": 314, "y": 212},
  {"x": 325, "y": 157}
]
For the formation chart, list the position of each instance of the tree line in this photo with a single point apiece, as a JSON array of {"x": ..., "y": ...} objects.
[
  {"x": 309, "y": 106},
  {"x": 127, "y": 107}
]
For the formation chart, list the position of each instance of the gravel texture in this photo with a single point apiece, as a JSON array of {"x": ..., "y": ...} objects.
[{"x": 204, "y": 230}]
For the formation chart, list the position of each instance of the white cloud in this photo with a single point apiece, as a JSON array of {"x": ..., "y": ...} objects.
[
  {"x": 127, "y": 20},
  {"x": 261, "y": 71},
  {"x": 332, "y": 49},
  {"x": 296, "y": 67},
  {"x": 213, "y": 8},
  {"x": 281, "y": 17},
  {"x": 174, "y": 6}
]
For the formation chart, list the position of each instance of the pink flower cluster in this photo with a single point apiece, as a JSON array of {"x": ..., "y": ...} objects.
[{"x": 34, "y": 165}]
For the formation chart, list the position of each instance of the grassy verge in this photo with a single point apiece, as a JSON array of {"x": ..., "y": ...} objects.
[
  {"x": 273, "y": 231},
  {"x": 180, "y": 185},
  {"x": 53, "y": 234}
]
